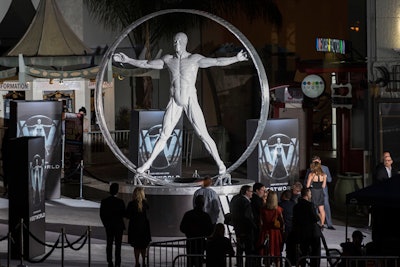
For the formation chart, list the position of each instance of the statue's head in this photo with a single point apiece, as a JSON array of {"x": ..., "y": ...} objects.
[{"x": 180, "y": 41}]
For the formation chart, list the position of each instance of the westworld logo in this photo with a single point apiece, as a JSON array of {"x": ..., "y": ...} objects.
[
  {"x": 39, "y": 125},
  {"x": 170, "y": 156},
  {"x": 278, "y": 156}
]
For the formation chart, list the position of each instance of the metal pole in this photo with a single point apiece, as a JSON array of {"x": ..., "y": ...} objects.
[
  {"x": 81, "y": 181},
  {"x": 62, "y": 247},
  {"x": 9, "y": 249},
  {"x": 89, "y": 246},
  {"x": 21, "y": 240}
]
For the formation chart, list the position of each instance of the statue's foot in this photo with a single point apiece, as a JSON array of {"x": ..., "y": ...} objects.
[
  {"x": 142, "y": 179},
  {"x": 137, "y": 180},
  {"x": 144, "y": 168},
  {"x": 224, "y": 179}
]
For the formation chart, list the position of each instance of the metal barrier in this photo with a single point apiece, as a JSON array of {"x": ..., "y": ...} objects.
[
  {"x": 231, "y": 261},
  {"x": 163, "y": 253},
  {"x": 350, "y": 261},
  {"x": 174, "y": 253}
]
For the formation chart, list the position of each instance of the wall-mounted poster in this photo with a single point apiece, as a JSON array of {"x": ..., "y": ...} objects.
[
  {"x": 275, "y": 161},
  {"x": 41, "y": 118},
  {"x": 145, "y": 130}
]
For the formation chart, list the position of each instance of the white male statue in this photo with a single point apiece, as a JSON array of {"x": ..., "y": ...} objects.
[{"x": 183, "y": 67}]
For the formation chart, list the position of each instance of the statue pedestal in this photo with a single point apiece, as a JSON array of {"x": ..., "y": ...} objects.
[{"x": 168, "y": 204}]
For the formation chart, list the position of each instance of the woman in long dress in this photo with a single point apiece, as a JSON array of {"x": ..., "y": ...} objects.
[
  {"x": 317, "y": 181},
  {"x": 139, "y": 235},
  {"x": 273, "y": 233}
]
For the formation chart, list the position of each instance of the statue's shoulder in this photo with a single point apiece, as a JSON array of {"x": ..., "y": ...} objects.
[
  {"x": 195, "y": 56},
  {"x": 167, "y": 57}
]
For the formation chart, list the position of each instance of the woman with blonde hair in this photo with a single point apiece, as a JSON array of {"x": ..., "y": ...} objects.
[
  {"x": 139, "y": 235},
  {"x": 272, "y": 224},
  {"x": 316, "y": 180}
]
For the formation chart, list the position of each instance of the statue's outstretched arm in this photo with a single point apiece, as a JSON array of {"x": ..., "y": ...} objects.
[
  {"x": 222, "y": 61},
  {"x": 145, "y": 64}
]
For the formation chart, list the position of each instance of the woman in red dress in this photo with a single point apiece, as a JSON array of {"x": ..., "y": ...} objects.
[{"x": 269, "y": 229}]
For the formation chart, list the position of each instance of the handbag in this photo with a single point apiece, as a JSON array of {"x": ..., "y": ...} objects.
[{"x": 277, "y": 223}]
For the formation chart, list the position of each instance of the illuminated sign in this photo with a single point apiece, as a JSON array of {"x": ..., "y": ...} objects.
[
  {"x": 313, "y": 86},
  {"x": 331, "y": 45}
]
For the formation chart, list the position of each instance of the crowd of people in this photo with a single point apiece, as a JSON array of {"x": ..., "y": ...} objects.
[{"x": 265, "y": 223}]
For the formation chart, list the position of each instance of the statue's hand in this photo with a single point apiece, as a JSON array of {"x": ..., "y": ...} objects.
[
  {"x": 120, "y": 57},
  {"x": 242, "y": 56}
]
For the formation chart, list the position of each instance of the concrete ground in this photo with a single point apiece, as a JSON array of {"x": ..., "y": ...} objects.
[{"x": 76, "y": 214}]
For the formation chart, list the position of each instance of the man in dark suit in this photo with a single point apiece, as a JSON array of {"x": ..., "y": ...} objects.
[
  {"x": 386, "y": 171},
  {"x": 196, "y": 224},
  {"x": 112, "y": 211},
  {"x": 244, "y": 225},
  {"x": 306, "y": 231}
]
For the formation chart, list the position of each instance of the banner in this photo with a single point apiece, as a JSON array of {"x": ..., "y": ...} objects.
[
  {"x": 41, "y": 118},
  {"x": 27, "y": 195},
  {"x": 146, "y": 127},
  {"x": 275, "y": 161}
]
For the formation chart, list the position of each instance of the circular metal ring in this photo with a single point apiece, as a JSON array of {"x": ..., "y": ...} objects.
[{"x": 262, "y": 77}]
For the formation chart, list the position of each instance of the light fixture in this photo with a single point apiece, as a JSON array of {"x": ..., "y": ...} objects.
[{"x": 356, "y": 26}]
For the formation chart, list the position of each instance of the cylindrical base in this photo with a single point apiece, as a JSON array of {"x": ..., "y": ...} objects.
[{"x": 168, "y": 204}]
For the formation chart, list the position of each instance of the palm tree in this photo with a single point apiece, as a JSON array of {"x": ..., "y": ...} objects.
[{"x": 119, "y": 14}]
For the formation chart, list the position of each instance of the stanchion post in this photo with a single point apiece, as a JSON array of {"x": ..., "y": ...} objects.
[
  {"x": 9, "y": 249},
  {"x": 62, "y": 246},
  {"x": 21, "y": 264},
  {"x": 81, "y": 182},
  {"x": 89, "y": 246},
  {"x": 21, "y": 242}
]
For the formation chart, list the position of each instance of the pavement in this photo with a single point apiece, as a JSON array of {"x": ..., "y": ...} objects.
[{"x": 75, "y": 212}]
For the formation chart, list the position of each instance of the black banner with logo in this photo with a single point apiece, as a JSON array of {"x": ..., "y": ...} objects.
[
  {"x": 41, "y": 118},
  {"x": 275, "y": 161},
  {"x": 146, "y": 128},
  {"x": 27, "y": 195}
]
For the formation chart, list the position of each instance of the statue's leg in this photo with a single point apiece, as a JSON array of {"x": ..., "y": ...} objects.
[
  {"x": 196, "y": 117},
  {"x": 172, "y": 115},
  {"x": 224, "y": 179}
]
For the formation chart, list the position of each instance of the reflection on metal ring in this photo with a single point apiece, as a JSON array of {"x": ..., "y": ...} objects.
[{"x": 262, "y": 77}]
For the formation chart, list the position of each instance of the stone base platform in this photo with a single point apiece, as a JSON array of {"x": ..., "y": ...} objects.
[{"x": 168, "y": 204}]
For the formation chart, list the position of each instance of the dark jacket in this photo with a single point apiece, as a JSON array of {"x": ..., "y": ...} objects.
[
  {"x": 196, "y": 223},
  {"x": 242, "y": 216},
  {"x": 112, "y": 211},
  {"x": 305, "y": 220},
  {"x": 382, "y": 175}
]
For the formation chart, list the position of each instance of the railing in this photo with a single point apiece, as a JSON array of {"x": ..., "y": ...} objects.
[
  {"x": 95, "y": 140},
  {"x": 232, "y": 261},
  {"x": 173, "y": 253},
  {"x": 350, "y": 261},
  {"x": 163, "y": 253}
]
